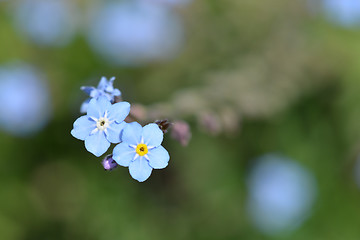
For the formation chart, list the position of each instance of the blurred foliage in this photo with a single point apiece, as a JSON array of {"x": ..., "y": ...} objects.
[{"x": 292, "y": 78}]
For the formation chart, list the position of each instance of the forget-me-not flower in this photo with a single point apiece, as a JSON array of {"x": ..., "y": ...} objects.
[
  {"x": 104, "y": 88},
  {"x": 135, "y": 32},
  {"x": 46, "y": 22},
  {"x": 344, "y": 12},
  {"x": 25, "y": 100},
  {"x": 102, "y": 125},
  {"x": 172, "y": 2},
  {"x": 141, "y": 150},
  {"x": 281, "y": 194}
]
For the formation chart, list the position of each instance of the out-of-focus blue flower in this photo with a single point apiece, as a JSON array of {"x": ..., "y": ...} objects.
[
  {"x": 135, "y": 32},
  {"x": 102, "y": 125},
  {"x": 281, "y": 194},
  {"x": 45, "y": 22},
  {"x": 343, "y": 12},
  {"x": 141, "y": 150},
  {"x": 104, "y": 88},
  {"x": 171, "y": 2},
  {"x": 25, "y": 100}
]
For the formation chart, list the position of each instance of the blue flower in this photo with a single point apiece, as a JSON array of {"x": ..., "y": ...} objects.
[
  {"x": 25, "y": 100},
  {"x": 102, "y": 125},
  {"x": 343, "y": 12},
  {"x": 173, "y": 2},
  {"x": 46, "y": 22},
  {"x": 141, "y": 150},
  {"x": 104, "y": 88},
  {"x": 135, "y": 32},
  {"x": 281, "y": 194}
]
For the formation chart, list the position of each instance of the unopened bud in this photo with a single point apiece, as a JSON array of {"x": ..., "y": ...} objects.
[
  {"x": 164, "y": 125},
  {"x": 210, "y": 122},
  {"x": 181, "y": 132},
  {"x": 109, "y": 163}
]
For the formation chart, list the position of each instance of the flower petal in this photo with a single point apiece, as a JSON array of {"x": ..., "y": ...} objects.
[
  {"x": 102, "y": 84},
  {"x": 95, "y": 94},
  {"x": 152, "y": 135},
  {"x": 123, "y": 154},
  {"x": 116, "y": 92},
  {"x": 82, "y": 127},
  {"x": 140, "y": 169},
  {"x": 113, "y": 132},
  {"x": 97, "y": 143},
  {"x": 84, "y": 106},
  {"x": 97, "y": 107},
  {"x": 158, "y": 157},
  {"x": 119, "y": 111},
  {"x": 87, "y": 89},
  {"x": 132, "y": 133},
  {"x": 111, "y": 80}
]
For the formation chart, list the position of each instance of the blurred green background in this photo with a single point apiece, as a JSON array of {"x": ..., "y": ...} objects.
[{"x": 288, "y": 75}]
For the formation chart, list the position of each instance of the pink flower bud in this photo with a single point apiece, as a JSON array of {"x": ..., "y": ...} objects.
[{"x": 181, "y": 132}]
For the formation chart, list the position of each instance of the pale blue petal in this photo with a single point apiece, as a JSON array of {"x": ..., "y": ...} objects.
[
  {"x": 97, "y": 107},
  {"x": 119, "y": 111},
  {"x": 82, "y": 127},
  {"x": 104, "y": 104},
  {"x": 87, "y": 89},
  {"x": 140, "y": 169},
  {"x": 132, "y": 133},
  {"x": 111, "y": 80},
  {"x": 84, "y": 105},
  {"x": 152, "y": 135},
  {"x": 109, "y": 88},
  {"x": 123, "y": 154},
  {"x": 95, "y": 93},
  {"x": 93, "y": 109},
  {"x": 116, "y": 92},
  {"x": 158, "y": 157},
  {"x": 102, "y": 84},
  {"x": 108, "y": 96},
  {"x": 97, "y": 143},
  {"x": 113, "y": 132}
]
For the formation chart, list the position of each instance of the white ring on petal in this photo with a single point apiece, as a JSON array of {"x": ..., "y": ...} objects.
[{"x": 94, "y": 131}]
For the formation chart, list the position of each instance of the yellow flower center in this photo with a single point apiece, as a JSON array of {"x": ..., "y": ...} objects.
[{"x": 142, "y": 149}]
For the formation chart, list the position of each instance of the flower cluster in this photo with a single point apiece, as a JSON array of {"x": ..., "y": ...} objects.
[
  {"x": 139, "y": 148},
  {"x": 104, "y": 88}
]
